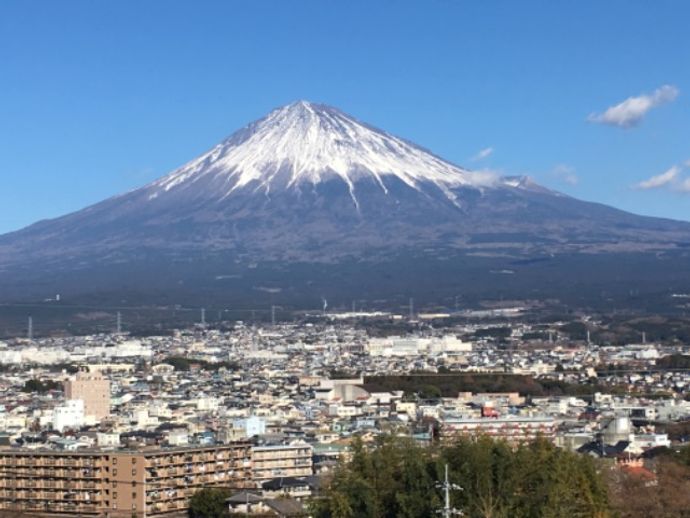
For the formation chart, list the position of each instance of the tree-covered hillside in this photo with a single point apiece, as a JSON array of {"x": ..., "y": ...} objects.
[{"x": 396, "y": 479}]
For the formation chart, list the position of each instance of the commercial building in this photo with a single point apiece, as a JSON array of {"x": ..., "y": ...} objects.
[
  {"x": 93, "y": 389},
  {"x": 68, "y": 415},
  {"x": 250, "y": 426},
  {"x": 117, "y": 483}
]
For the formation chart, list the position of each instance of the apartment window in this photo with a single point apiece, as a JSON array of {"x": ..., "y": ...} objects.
[
  {"x": 134, "y": 460},
  {"x": 114, "y": 494},
  {"x": 134, "y": 495},
  {"x": 115, "y": 472},
  {"x": 114, "y": 461},
  {"x": 134, "y": 471}
]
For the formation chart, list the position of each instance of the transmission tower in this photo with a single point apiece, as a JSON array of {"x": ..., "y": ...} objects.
[{"x": 30, "y": 331}]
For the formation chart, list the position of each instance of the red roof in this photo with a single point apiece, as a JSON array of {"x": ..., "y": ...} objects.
[{"x": 639, "y": 472}]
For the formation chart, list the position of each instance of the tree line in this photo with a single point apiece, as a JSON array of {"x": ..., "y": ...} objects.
[{"x": 399, "y": 479}]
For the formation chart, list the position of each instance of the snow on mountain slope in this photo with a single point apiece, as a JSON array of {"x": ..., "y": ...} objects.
[{"x": 306, "y": 142}]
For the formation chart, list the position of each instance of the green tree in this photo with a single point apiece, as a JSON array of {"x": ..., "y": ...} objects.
[
  {"x": 209, "y": 503},
  {"x": 36, "y": 385},
  {"x": 396, "y": 478}
]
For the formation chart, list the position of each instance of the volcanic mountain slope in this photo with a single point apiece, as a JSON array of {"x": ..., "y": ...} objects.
[{"x": 309, "y": 184}]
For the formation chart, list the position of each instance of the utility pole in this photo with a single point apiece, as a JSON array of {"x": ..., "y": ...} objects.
[{"x": 447, "y": 510}]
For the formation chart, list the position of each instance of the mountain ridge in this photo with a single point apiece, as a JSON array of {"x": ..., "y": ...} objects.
[{"x": 309, "y": 184}]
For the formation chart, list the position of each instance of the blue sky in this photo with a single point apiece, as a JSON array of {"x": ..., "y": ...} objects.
[{"x": 97, "y": 98}]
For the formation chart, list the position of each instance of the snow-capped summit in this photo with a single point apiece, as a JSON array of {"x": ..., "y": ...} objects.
[{"x": 305, "y": 142}]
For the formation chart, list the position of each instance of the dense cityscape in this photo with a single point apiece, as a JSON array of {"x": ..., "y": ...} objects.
[{"x": 271, "y": 410}]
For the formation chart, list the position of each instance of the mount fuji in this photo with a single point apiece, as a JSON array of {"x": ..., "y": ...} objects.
[{"x": 309, "y": 202}]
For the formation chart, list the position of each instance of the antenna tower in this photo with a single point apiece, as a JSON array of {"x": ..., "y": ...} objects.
[{"x": 447, "y": 487}]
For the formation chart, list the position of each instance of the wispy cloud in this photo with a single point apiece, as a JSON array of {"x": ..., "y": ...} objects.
[
  {"x": 631, "y": 111},
  {"x": 683, "y": 185},
  {"x": 661, "y": 180},
  {"x": 484, "y": 153},
  {"x": 565, "y": 173}
]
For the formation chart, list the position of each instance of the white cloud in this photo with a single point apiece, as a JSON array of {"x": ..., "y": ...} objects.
[
  {"x": 661, "y": 180},
  {"x": 683, "y": 185},
  {"x": 484, "y": 153},
  {"x": 486, "y": 176},
  {"x": 631, "y": 111},
  {"x": 565, "y": 173}
]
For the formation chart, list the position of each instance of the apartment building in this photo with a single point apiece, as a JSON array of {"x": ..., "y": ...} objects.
[
  {"x": 117, "y": 483},
  {"x": 282, "y": 460},
  {"x": 93, "y": 389},
  {"x": 510, "y": 428}
]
